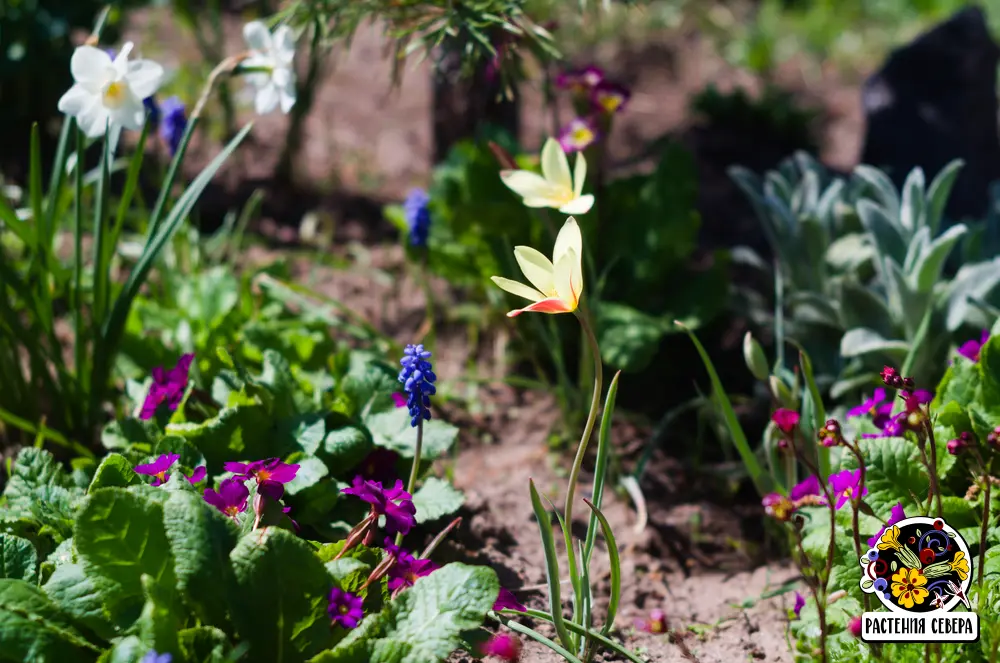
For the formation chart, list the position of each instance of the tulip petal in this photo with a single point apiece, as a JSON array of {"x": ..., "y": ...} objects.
[
  {"x": 569, "y": 237},
  {"x": 536, "y": 268},
  {"x": 550, "y": 305},
  {"x": 519, "y": 289},
  {"x": 257, "y": 36},
  {"x": 564, "y": 280},
  {"x": 555, "y": 165},
  {"x": 579, "y": 205},
  {"x": 579, "y": 174},
  {"x": 144, "y": 77},
  {"x": 528, "y": 185},
  {"x": 89, "y": 66}
]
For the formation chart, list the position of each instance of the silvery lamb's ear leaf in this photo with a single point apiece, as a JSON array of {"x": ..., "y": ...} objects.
[
  {"x": 912, "y": 213},
  {"x": 779, "y": 187},
  {"x": 937, "y": 194},
  {"x": 881, "y": 225},
  {"x": 976, "y": 280},
  {"x": 860, "y": 307},
  {"x": 806, "y": 195},
  {"x": 827, "y": 203},
  {"x": 927, "y": 269},
  {"x": 881, "y": 187},
  {"x": 862, "y": 341},
  {"x": 907, "y": 306},
  {"x": 918, "y": 243}
]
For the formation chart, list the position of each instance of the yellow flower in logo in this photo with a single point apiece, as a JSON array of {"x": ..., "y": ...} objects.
[
  {"x": 960, "y": 565},
  {"x": 908, "y": 587},
  {"x": 890, "y": 539}
]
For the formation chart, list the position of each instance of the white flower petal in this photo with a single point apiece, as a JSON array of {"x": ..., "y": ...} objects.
[
  {"x": 257, "y": 36},
  {"x": 267, "y": 99},
  {"x": 257, "y": 61},
  {"x": 93, "y": 120},
  {"x": 283, "y": 43},
  {"x": 519, "y": 289},
  {"x": 536, "y": 268},
  {"x": 131, "y": 114},
  {"x": 579, "y": 205},
  {"x": 75, "y": 100},
  {"x": 568, "y": 239},
  {"x": 579, "y": 174},
  {"x": 528, "y": 185},
  {"x": 89, "y": 66},
  {"x": 287, "y": 100},
  {"x": 564, "y": 280},
  {"x": 121, "y": 60},
  {"x": 555, "y": 166},
  {"x": 144, "y": 77},
  {"x": 540, "y": 202}
]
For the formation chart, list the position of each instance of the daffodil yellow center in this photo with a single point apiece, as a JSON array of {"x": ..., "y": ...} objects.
[{"x": 115, "y": 94}]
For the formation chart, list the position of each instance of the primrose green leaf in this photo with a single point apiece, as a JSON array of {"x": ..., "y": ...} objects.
[
  {"x": 279, "y": 605},
  {"x": 425, "y": 623},
  {"x": 307, "y": 431},
  {"x": 277, "y": 377},
  {"x": 369, "y": 384},
  {"x": 158, "y": 624},
  {"x": 204, "y": 643},
  {"x": 201, "y": 540},
  {"x": 75, "y": 594},
  {"x": 435, "y": 499},
  {"x": 119, "y": 537},
  {"x": 115, "y": 471},
  {"x": 392, "y": 430},
  {"x": 123, "y": 433},
  {"x": 240, "y": 432},
  {"x": 311, "y": 471},
  {"x": 345, "y": 447},
  {"x": 39, "y": 490},
  {"x": 127, "y": 650},
  {"x": 18, "y": 559},
  {"x": 32, "y": 628}
]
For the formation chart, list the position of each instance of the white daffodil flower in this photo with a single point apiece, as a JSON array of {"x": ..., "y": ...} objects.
[
  {"x": 554, "y": 187},
  {"x": 273, "y": 53},
  {"x": 109, "y": 92},
  {"x": 558, "y": 283}
]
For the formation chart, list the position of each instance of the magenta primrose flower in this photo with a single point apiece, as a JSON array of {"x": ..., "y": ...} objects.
[
  {"x": 158, "y": 469},
  {"x": 609, "y": 98},
  {"x": 394, "y": 503},
  {"x": 399, "y": 399},
  {"x": 895, "y": 515},
  {"x": 914, "y": 399},
  {"x": 197, "y": 475},
  {"x": 845, "y": 485},
  {"x": 876, "y": 407},
  {"x": 809, "y": 486},
  {"x": 578, "y": 135},
  {"x": 800, "y": 602},
  {"x": 407, "y": 570},
  {"x": 271, "y": 474},
  {"x": 971, "y": 348},
  {"x": 504, "y": 646},
  {"x": 231, "y": 498},
  {"x": 345, "y": 609},
  {"x": 580, "y": 81},
  {"x": 656, "y": 624},
  {"x": 786, "y": 420},
  {"x": 167, "y": 388},
  {"x": 507, "y": 601}
]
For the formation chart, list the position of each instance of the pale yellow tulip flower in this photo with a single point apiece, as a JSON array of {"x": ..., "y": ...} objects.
[
  {"x": 554, "y": 187},
  {"x": 558, "y": 284}
]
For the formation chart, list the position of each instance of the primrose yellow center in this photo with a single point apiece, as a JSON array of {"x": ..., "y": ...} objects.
[
  {"x": 115, "y": 94},
  {"x": 344, "y": 610},
  {"x": 657, "y": 627},
  {"x": 231, "y": 511},
  {"x": 263, "y": 475},
  {"x": 582, "y": 135},
  {"x": 162, "y": 476},
  {"x": 611, "y": 103}
]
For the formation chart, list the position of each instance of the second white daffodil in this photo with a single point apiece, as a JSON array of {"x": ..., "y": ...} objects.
[
  {"x": 272, "y": 56},
  {"x": 558, "y": 284},
  {"x": 555, "y": 187}
]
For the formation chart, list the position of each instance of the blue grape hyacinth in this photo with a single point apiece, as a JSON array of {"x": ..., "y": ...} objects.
[
  {"x": 174, "y": 123},
  {"x": 418, "y": 216},
  {"x": 418, "y": 380}
]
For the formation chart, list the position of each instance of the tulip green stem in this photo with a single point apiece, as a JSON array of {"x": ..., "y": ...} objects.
[
  {"x": 412, "y": 483},
  {"x": 595, "y": 406}
]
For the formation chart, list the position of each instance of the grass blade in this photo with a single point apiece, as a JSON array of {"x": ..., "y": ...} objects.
[
  {"x": 601, "y": 466},
  {"x": 576, "y": 628},
  {"x": 616, "y": 568},
  {"x": 538, "y": 637},
  {"x": 58, "y": 171},
  {"x": 551, "y": 566},
  {"x": 79, "y": 337},
  {"x": 131, "y": 183},
  {"x": 101, "y": 275},
  {"x": 819, "y": 411},
  {"x": 760, "y": 479}
]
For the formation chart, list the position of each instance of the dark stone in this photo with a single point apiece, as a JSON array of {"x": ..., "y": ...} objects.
[{"x": 935, "y": 100}]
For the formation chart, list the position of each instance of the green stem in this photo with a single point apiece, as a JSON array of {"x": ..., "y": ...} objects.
[
  {"x": 412, "y": 483},
  {"x": 595, "y": 406},
  {"x": 987, "y": 472}
]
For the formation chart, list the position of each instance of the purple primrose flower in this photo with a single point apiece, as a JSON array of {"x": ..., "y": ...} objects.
[
  {"x": 345, "y": 609},
  {"x": 231, "y": 498},
  {"x": 800, "y": 602},
  {"x": 845, "y": 485},
  {"x": 167, "y": 388},
  {"x": 394, "y": 503},
  {"x": 507, "y": 601},
  {"x": 609, "y": 98},
  {"x": 578, "y": 135},
  {"x": 271, "y": 475},
  {"x": 895, "y": 515},
  {"x": 971, "y": 348},
  {"x": 159, "y": 468},
  {"x": 580, "y": 81},
  {"x": 197, "y": 475}
]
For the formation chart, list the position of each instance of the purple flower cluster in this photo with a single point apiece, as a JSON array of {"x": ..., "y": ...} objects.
[
  {"x": 417, "y": 376},
  {"x": 159, "y": 469},
  {"x": 880, "y": 410},
  {"x": 596, "y": 100},
  {"x": 844, "y": 485},
  {"x": 345, "y": 609},
  {"x": 971, "y": 348},
  {"x": 394, "y": 503},
  {"x": 167, "y": 388},
  {"x": 417, "y": 212},
  {"x": 895, "y": 515}
]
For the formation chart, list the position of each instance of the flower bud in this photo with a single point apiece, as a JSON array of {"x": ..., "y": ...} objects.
[
  {"x": 830, "y": 435},
  {"x": 891, "y": 378},
  {"x": 754, "y": 357},
  {"x": 993, "y": 439},
  {"x": 781, "y": 392},
  {"x": 908, "y": 383},
  {"x": 956, "y": 446},
  {"x": 854, "y": 627}
]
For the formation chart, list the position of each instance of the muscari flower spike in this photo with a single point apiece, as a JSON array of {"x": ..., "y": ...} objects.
[
  {"x": 578, "y": 135},
  {"x": 417, "y": 376},
  {"x": 174, "y": 123},
  {"x": 504, "y": 646},
  {"x": 231, "y": 498},
  {"x": 558, "y": 284},
  {"x": 394, "y": 503},
  {"x": 109, "y": 92},
  {"x": 555, "y": 187},
  {"x": 167, "y": 388},
  {"x": 417, "y": 212},
  {"x": 345, "y": 609},
  {"x": 153, "y": 657}
]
